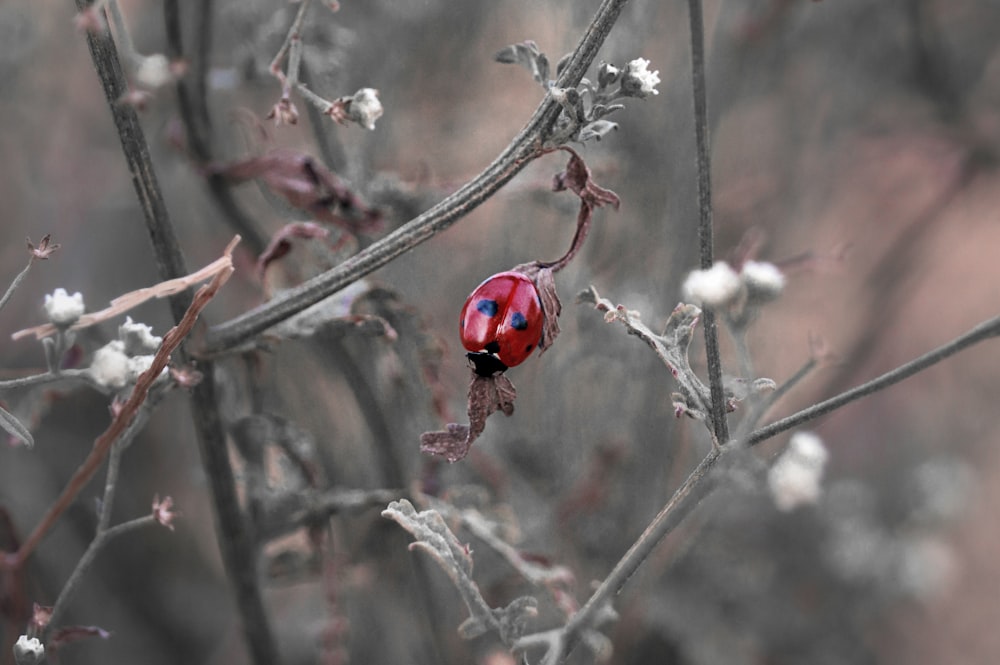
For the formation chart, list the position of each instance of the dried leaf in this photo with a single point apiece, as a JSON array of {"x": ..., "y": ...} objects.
[
  {"x": 281, "y": 242},
  {"x": 306, "y": 185},
  {"x": 74, "y": 633},
  {"x": 487, "y": 394}
]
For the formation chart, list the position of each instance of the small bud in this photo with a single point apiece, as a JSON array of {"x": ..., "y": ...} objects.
[
  {"x": 363, "y": 107},
  {"x": 28, "y": 651},
  {"x": 163, "y": 511},
  {"x": 284, "y": 113},
  {"x": 715, "y": 287},
  {"x": 63, "y": 309},
  {"x": 638, "y": 81},
  {"x": 764, "y": 281},
  {"x": 794, "y": 480},
  {"x": 607, "y": 74},
  {"x": 154, "y": 71}
]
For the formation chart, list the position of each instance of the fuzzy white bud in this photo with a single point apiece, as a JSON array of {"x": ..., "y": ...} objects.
[
  {"x": 638, "y": 80},
  {"x": 138, "y": 337},
  {"x": 110, "y": 366},
  {"x": 28, "y": 651},
  {"x": 795, "y": 478},
  {"x": 764, "y": 281},
  {"x": 715, "y": 287},
  {"x": 365, "y": 108},
  {"x": 64, "y": 309},
  {"x": 154, "y": 71}
]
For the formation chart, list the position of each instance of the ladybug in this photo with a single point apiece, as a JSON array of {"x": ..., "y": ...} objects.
[{"x": 501, "y": 323}]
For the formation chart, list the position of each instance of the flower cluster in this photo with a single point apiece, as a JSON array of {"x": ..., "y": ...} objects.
[{"x": 119, "y": 363}]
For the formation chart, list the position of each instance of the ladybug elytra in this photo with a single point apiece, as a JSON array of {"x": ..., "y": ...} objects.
[{"x": 501, "y": 322}]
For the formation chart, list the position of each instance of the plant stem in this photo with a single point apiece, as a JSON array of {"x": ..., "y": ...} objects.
[
  {"x": 983, "y": 331},
  {"x": 17, "y": 282},
  {"x": 684, "y": 499},
  {"x": 720, "y": 426},
  {"x": 527, "y": 145},
  {"x": 192, "y": 106},
  {"x": 169, "y": 257}
]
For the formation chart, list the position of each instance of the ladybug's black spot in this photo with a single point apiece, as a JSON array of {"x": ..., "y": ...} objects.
[
  {"x": 518, "y": 322},
  {"x": 487, "y": 307},
  {"x": 485, "y": 364},
  {"x": 528, "y": 348},
  {"x": 493, "y": 347}
]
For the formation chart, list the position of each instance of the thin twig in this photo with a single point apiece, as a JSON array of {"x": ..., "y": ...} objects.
[
  {"x": 17, "y": 282},
  {"x": 104, "y": 531},
  {"x": 761, "y": 407},
  {"x": 192, "y": 106},
  {"x": 684, "y": 499},
  {"x": 525, "y": 147},
  {"x": 983, "y": 331},
  {"x": 717, "y": 412},
  {"x": 81, "y": 375}
]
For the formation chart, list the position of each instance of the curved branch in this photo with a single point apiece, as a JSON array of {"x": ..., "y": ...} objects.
[
  {"x": 526, "y": 146},
  {"x": 983, "y": 331}
]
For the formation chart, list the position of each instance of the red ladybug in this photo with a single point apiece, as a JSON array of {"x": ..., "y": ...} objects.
[{"x": 501, "y": 323}]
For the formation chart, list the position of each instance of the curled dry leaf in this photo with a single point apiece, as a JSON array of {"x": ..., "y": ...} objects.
[
  {"x": 305, "y": 184},
  {"x": 281, "y": 242},
  {"x": 74, "y": 633},
  {"x": 487, "y": 394}
]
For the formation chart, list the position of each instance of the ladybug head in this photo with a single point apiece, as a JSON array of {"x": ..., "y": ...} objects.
[{"x": 485, "y": 363}]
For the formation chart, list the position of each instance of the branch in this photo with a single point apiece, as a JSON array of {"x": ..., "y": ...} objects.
[
  {"x": 983, "y": 331},
  {"x": 685, "y": 498},
  {"x": 526, "y": 146},
  {"x": 717, "y": 412},
  {"x": 169, "y": 258},
  {"x": 192, "y": 106}
]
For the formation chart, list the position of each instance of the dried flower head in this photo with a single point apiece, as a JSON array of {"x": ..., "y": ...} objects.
[
  {"x": 716, "y": 287},
  {"x": 45, "y": 248},
  {"x": 638, "y": 81},
  {"x": 64, "y": 309}
]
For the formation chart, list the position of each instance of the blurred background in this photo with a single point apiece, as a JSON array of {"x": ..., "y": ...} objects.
[{"x": 854, "y": 142}]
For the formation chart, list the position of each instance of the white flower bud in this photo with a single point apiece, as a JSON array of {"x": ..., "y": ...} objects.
[
  {"x": 365, "y": 108},
  {"x": 795, "y": 478},
  {"x": 110, "y": 367},
  {"x": 715, "y": 287},
  {"x": 63, "y": 309},
  {"x": 154, "y": 71},
  {"x": 764, "y": 281},
  {"x": 138, "y": 338},
  {"x": 638, "y": 80},
  {"x": 28, "y": 651}
]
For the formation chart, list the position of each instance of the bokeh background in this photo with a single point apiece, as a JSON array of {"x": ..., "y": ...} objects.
[{"x": 855, "y": 141}]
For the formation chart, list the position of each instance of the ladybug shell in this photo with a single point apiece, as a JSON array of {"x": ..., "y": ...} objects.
[{"x": 502, "y": 320}]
